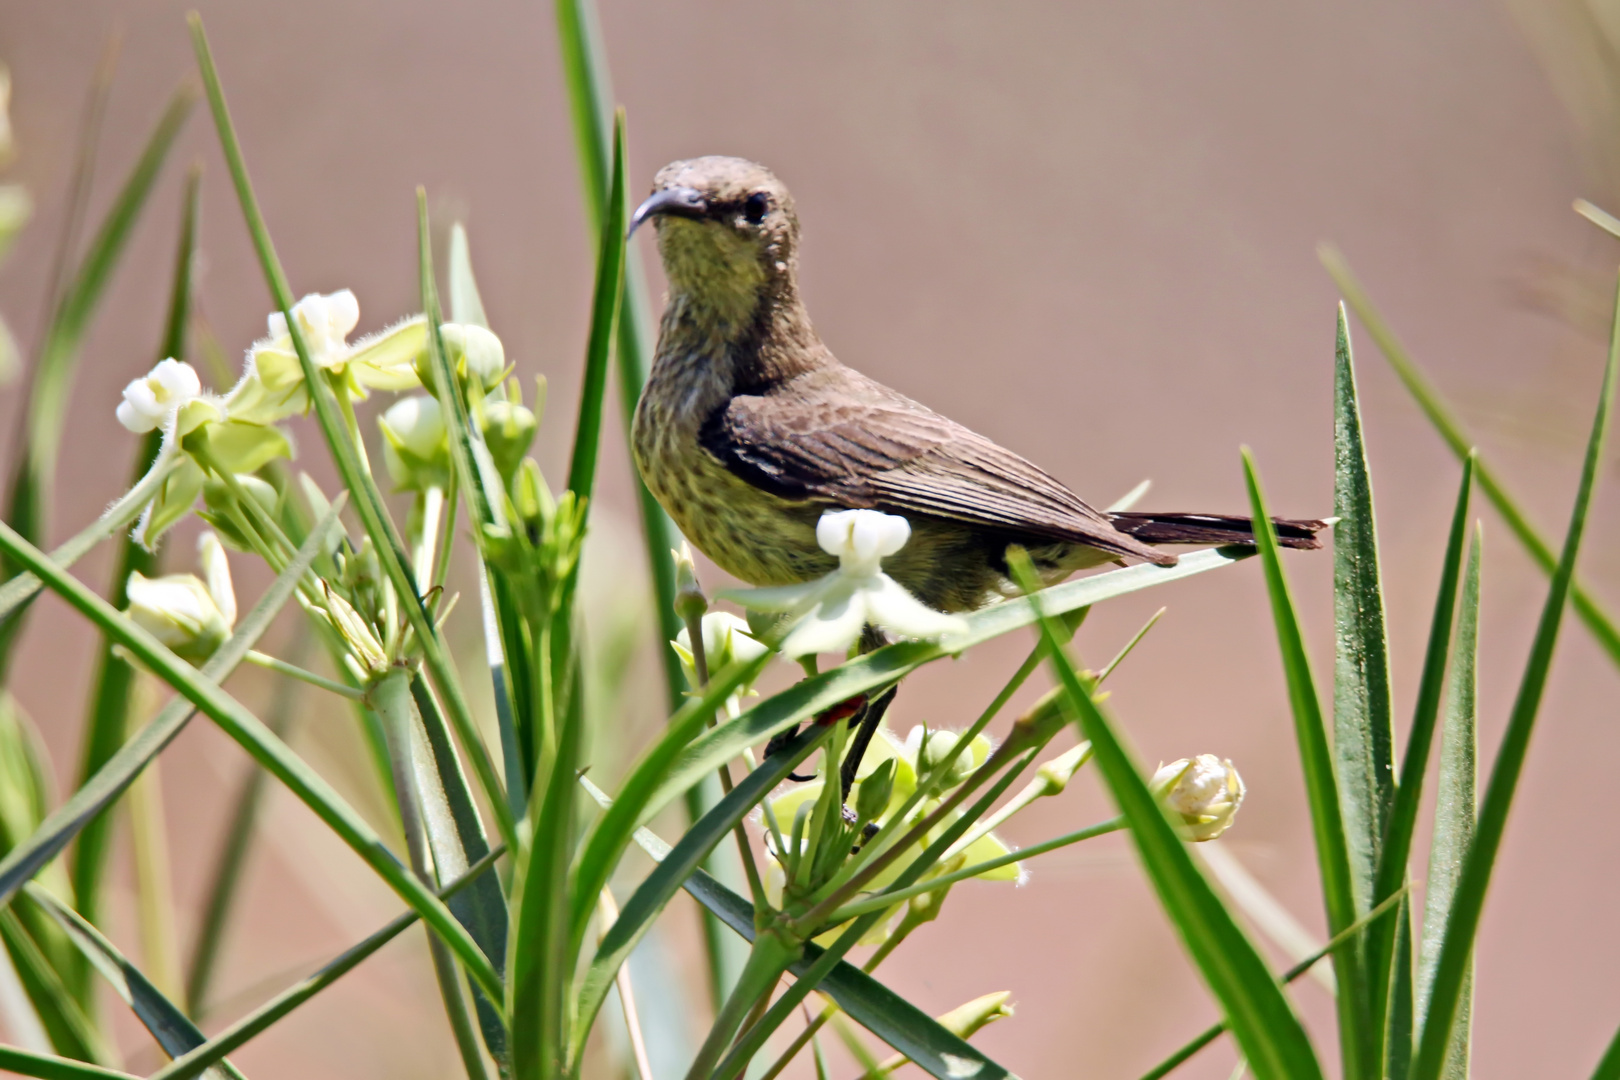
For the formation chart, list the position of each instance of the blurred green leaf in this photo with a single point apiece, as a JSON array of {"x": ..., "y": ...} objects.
[
  {"x": 169, "y": 1025},
  {"x": 1252, "y": 999},
  {"x": 246, "y": 729},
  {"x": 1598, "y": 621},
  {"x": 1363, "y": 729},
  {"x": 51, "y": 378},
  {"x": 111, "y": 694},
  {"x": 585, "y": 71},
  {"x": 70, "y": 1031},
  {"x": 24, "y": 1063},
  {"x": 120, "y": 770},
  {"x": 267, "y": 1015},
  {"x": 1607, "y": 1069},
  {"x": 1454, "y": 813},
  {"x": 1321, "y": 789},
  {"x": 1452, "y": 969}
]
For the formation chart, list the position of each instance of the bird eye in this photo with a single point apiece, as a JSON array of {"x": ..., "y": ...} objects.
[{"x": 755, "y": 206}]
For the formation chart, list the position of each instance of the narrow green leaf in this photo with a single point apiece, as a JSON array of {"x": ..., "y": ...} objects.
[
  {"x": 1321, "y": 789},
  {"x": 1256, "y": 1009},
  {"x": 1399, "y": 1009},
  {"x": 1454, "y": 814},
  {"x": 168, "y": 1024},
  {"x": 368, "y": 500},
  {"x": 600, "y": 853},
  {"x": 1452, "y": 969},
  {"x": 540, "y": 963},
  {"x": 604, "y": 319},
  {"x": 1213, "y": 1032},
  {"x": 51, "y": 378},
  {"x": 1599, "y": 622},
  {"x": 1607, "y": 1069},
  {"x": 111, "y": 694},
  {"x": 636, "y": 917},
  {"x": 242, "y": 726},
  {"x": 890, "y": 663},
  {"x": 268, "y": 1014},
  {"x": 24, "y": 1063},
  {"x": 70, "y": 1031},
  {"x": 120, "y": 770},
  {"x": 585, "y": 71}
]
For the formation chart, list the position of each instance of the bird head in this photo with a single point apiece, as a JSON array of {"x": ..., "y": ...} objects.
[{"x": 726, "y": 229}]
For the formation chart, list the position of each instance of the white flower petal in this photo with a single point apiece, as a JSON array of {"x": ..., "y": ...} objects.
[
  {"x": 217, "y": 572},
  {"x": 832, "y": 627},
  {"x": 896, "y": 610}
]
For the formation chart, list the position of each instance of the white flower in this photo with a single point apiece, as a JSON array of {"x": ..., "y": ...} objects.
[
  {"x": 152, "y": 399},
  {"x": 191, "y": 616},
  {"x": 1205, "y": 792},
  {"x": 272, "y": 386},
  {"x": 832, "y": 609}
]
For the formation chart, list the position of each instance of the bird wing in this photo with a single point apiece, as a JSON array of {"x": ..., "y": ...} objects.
[{"x": 837, "y": 436}]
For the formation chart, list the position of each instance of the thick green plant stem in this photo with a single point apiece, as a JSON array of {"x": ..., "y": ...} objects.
[{"x": 771, "y": 955}]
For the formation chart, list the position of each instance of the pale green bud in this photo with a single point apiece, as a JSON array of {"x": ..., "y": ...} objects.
[
  {"x": 508, "y": 431},
  {"x": 690, "y": 603},
  {"x": 416, "y": 450},
  {"x": 1204, "y": 792},
  {"x": 873, "y": 797},
  {"x": 474, "y": 353},
  {"x": 1054, "y": 775},
  {"x": 965, "y": 1020}
]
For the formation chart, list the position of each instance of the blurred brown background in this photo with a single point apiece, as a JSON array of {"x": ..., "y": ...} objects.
[{"x": 1085, "y": 230}]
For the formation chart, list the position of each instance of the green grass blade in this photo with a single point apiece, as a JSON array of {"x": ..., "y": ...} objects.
[
  {"x": 604, "y": 320},
  {"x": 589, "y": 93},
  {"x": 1452, "y": 969},
  {"x": 226, "y": 880},
  {"x": 600, "y": 853},
  {"x": 541, "y": 963},
  {"x": 1454, "y": 813},
  {"x": 166, "y": 1022},
  {"x": 51, "y": 379},
  {"x": 1213, "y": 1032},
  {"x": 110, "y": 781},
  {"x": 1363, "y": 724},
  {"x": 866, "y": 1001},
  {"x": 890, "y": 663},
  {"x": 1607, "y": 1069},
  {"x": 69, "y": 1029},
  {"x": 368, "y": 501},
  {"x": 1321, "y": 789},
  {"x": 458, "y": 844},
  {"x": 246, "y": 729},
  {"x": 1599, "y": 622},
  {"x": 1399, "y": 1009},
  {"x": 111, "y": 694},
  {"x": 267, "y": 1015},
  {"x": 1257, "y": 1010},
  {"x": 636, "y": 917},
  {"x": 23, "y": 1063}
]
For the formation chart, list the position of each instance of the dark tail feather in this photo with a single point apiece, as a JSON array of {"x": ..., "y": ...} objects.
[{"x": 1214, "y": 529}]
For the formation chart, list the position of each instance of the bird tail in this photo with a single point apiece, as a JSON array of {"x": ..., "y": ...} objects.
[{"x": 1215, "y": 529}]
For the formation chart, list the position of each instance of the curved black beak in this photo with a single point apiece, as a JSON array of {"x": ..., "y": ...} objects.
[{"x": 676, "y": 201}]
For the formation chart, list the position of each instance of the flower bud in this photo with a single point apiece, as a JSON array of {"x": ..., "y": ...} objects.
[
  {"x": 218, "y": 499},
  {"x": 150, "y": 400},
  {"x": 508, "y": 430},
  {"x": 872, "y": 799},
  {"x": 188, "y": 616},
  {"x": 690, "y": 603},
  {"x": 1204, "y": 792},
  {"x": 415, "y": 448},
  {"x": 929, "y": 749},
  {"x": 965, "y": 1020},
  {"x": 1054, "y": 775},
  {"x": 474, "y": 353}
]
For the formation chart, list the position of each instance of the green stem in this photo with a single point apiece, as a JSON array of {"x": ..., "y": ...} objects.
[
  {"x": 883, "y": 900},
  {"x": 771, "y": 955},
  {"x": 293, "y": 671}
]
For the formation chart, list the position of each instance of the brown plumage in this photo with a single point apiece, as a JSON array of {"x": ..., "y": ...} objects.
[{"x": 749, "y": 428}]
